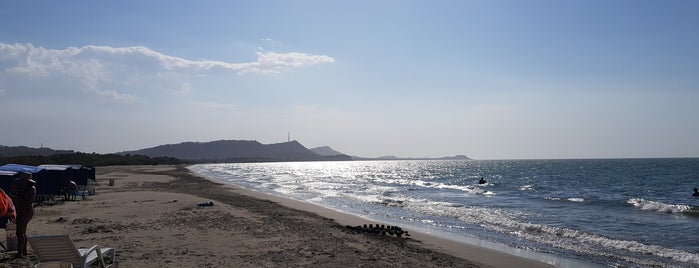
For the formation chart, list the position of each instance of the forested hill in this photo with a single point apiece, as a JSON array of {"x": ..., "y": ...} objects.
[
  {"x": 236, "y": 151},
  {"x": 37, "y": 156},
  {"x": 11, "y": 151}
]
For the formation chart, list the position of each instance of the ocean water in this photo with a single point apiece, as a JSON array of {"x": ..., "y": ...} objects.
[{"x": 570, "y": 213}]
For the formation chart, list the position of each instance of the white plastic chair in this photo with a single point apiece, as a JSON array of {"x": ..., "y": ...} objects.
[{"x": 60, "y": 248}]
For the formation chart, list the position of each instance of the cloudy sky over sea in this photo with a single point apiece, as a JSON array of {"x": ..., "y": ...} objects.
[{"x": 489, "y": 79}]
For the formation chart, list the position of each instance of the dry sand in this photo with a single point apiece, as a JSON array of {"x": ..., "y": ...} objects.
[{"x": 151, "y": 216}]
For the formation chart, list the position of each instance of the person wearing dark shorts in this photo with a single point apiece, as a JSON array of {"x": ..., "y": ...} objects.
[{"x": 23, "y": 194}]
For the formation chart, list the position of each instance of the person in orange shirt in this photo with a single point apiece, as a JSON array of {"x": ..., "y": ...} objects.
[{"x": 7, "y": 208}]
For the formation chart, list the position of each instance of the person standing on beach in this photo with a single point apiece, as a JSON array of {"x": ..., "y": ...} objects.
[
  {"x": 23, "y": 194},
  {"x": 7, "y": 209}
]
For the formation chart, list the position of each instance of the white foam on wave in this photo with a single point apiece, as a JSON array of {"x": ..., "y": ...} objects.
[
  {"x": 435, "y": 185},
  {"x": 598, "y": 245},
  {"x": 527, "y": 187},
  {"x": 571, "y": 199},
  {"x": 575, "y": 240},
  {"x": 658, "y": 206}
]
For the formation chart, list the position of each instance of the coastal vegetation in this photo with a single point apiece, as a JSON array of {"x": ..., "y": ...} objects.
[{"x": 91, "y": 159}]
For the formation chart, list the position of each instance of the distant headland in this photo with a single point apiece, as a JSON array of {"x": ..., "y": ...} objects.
[
  {"x": 218, "y": 152},
  {"x": 254, "y": 151}
]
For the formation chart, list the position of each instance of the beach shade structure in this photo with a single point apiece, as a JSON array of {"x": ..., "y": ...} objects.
[
  {"x": 82, "y": 175},
  {"x": 58, "y": 177},
  {"x": 6, "y": 178},
  {"x": 21, "y": 168},
  {"x": 38, "y": 174},
  {"x": 48, "y": 183}
]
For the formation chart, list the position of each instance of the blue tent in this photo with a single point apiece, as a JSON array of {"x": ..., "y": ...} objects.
[
  {"x": 21, "y": 168},
  {"x": 47, "y": 182}
]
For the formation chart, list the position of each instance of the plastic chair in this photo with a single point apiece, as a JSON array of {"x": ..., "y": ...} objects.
[{"x": 60, "y": 248}]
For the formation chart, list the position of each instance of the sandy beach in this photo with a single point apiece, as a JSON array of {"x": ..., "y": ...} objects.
[{"x": 152, "y": 217}]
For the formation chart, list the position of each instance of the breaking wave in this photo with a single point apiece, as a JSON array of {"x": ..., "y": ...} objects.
[{"x": 658, "y": 206}]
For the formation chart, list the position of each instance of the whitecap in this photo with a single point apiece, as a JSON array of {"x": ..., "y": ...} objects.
[
  {"x": 644, "y": 204},
  {"x": 526, "y": 188},
  {"x": 593, "y": 244}
]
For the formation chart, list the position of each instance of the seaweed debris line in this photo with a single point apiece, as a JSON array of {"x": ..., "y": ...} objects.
[{"x": 378, "y": 230}]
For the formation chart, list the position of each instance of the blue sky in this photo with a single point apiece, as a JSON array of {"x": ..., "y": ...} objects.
[{"x": 488, "y": 79}]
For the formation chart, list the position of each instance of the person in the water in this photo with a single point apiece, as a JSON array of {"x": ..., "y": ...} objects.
[
  {"x": 482, "y": 181},
  {"x": 696, "y": 192}
]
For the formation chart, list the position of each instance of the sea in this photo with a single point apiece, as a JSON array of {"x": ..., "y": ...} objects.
[{"x": 568, "y": 213}]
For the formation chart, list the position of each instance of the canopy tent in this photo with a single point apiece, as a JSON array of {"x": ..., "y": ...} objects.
[
  {"x": 6, "y": 178},
  {"x": 77, "y": 173},
  {"x": 48, "y": 182},
  {"x": 84, "y": 177},
  {"x": 82, "y": 174},
  {"x": 58, "y": 178},
  {"x": 21, "y": 168},
  {"x": 50, "y": 179}
]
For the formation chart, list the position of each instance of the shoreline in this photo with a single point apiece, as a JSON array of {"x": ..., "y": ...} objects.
[
  {"x": 151, "y": 216},
  {"x": 464, "y": 250}
]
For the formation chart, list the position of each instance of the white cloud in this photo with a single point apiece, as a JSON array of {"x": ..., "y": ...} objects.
[
  {"x": 271, "y": 62},
  {"x": 266, "y": 61},
  {"x": 110, "y": 72}
]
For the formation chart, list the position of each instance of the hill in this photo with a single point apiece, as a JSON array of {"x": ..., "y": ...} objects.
[
  {"x": 236, "y": 151},
  {"x": 37, "y": 156},
  {"x": 12, "y": 151},
  {"x": 325, "y": 151}
]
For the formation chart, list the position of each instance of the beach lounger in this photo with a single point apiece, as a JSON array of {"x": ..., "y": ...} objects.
[{"x": 60, "y": 248}]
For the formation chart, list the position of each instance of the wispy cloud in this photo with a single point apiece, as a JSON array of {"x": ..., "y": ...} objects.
[{"x": 105, "y": 71}]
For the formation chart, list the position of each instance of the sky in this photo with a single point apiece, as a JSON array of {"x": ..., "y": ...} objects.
[{"x": 487, "y": 79}]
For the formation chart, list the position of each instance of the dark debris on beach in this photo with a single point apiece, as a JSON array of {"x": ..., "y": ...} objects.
[{"x": 375, "y": 229}]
